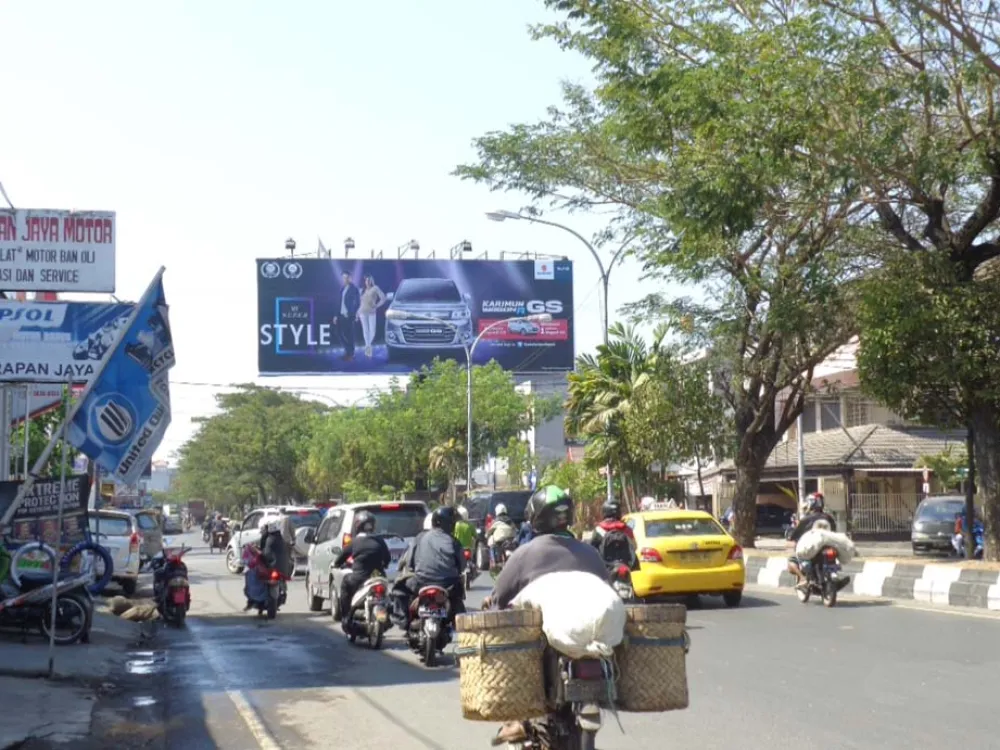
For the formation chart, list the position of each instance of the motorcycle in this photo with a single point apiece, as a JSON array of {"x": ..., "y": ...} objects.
[
  {"x": 576, "y": 691},
  {"x": 823, "y": 577},
  {"x": 369, "y": 612},
  {"x": 220, "y": 540},
  {"x": 206, "y": 535},
  {"x": 504, "y": 550},
  {"x": 471, "y": 570},
  {"x": 171, "y": 589},
  {"x": 430, "y": 623},
  {"x": 621, "y": 581},
  {"x": 30, "y": 606}
]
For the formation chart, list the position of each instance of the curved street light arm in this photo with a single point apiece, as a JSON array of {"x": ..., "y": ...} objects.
[{"x": 584, "y": 240}]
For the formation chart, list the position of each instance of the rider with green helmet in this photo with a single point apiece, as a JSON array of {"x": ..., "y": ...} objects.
[{"x": 554, "y": 549}]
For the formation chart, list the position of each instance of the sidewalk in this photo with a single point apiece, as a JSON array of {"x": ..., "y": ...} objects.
[
  {"x": 868, "y": 549},
  {"x": 57, "y": 710}
]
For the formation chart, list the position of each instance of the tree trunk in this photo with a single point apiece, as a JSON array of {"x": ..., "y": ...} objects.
[
  {"x": 744, "y": 525},
  {"x": 986, "y": 424}
]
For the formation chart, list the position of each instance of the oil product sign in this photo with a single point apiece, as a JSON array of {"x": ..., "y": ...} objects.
[{"x": 47, "y": 250}]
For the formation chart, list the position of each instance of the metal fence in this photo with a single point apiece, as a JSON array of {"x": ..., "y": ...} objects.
[{"x": 882, "y": 513}]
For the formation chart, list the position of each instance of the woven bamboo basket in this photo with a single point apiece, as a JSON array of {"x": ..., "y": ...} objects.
[
  {"x": 652, "y": 659},
  {"x": 501, "y": 665}
]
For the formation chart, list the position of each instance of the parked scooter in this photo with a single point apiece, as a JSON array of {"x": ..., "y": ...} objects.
[
  {"x": 430, "y": 623},
  {"x": 369, "y": 612},
  {"x": 30, "y": 606},
  {"x": 824, "y": 577},
  {"x": 171, "y": 589}
]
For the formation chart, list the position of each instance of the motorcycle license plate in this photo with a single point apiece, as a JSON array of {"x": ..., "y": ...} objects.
[{"x": 180, "y": 596}]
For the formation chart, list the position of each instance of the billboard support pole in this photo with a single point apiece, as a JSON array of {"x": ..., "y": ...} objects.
[
  {"x": 27, "y": 427},
  {"x": 5, "y": 445},
  {"x": 59, "y": 530}
]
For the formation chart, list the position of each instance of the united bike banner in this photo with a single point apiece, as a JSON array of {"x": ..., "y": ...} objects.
[{"x": 125, "y": 411}]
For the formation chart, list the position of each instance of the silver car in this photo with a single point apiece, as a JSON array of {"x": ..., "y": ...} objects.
[
  {"x": 398, "y": 523},
  {"x": 934, "y": 523},
  {"x": 427, "y": 314},
  {"x": 248, "y": 532}
]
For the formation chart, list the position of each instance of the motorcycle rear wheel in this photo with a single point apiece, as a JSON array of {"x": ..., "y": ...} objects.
[
  {"x": 803, "y": 594},
  {"x": 830, "y": 594},
  {"x": 272, "y": 607},
  {"x": 67, "y": 606},
  {"x": 375, "y": 634},
  {"x": 430, "y": 653}
]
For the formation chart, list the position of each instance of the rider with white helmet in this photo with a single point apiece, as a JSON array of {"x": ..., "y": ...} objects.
[{"x": 502, "y": 530}]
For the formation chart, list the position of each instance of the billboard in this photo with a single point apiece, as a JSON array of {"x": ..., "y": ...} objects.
[
  {"x": 57, "y": 251},
  {"x": 53, "y": 342},
  {"x": 318, "y": 316}
]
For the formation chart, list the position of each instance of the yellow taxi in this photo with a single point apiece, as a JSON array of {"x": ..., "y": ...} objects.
[{"x": 685, "y": 553}]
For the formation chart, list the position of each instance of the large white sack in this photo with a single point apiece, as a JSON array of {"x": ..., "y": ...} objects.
[
  {"x": 815, "y": 540},
  {"x": 581, "y": 614}
]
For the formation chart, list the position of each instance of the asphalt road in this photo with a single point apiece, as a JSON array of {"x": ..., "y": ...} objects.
[{"x": 773, "y": 673}]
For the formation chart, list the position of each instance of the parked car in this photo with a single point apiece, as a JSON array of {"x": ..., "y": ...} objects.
[
  {"x": 482, "y": 510},
  {"x": 173, "y": 525},
  {"x": 150, "y": 533},
  {"x": 772, "y": 519},
  {"x": 118, "y": 533},
  {"x": 248, "y": 531},
  {"x": 934, "y": 523},
  {"x": 400, "y": 522}
]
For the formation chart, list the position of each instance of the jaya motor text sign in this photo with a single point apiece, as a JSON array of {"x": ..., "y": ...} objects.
[
  {"x": 57, "y": 251},
  {"x": 320, "y": 316},
  {"x": 54, "y": 342}
]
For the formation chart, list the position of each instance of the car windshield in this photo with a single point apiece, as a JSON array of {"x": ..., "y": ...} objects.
[
  {"x": 110, "y": 525},
  {"x": 940, "y": 511},
  {"x": 302, "y": 518},
  {"x": 400, "y": 520},
  {"x": 683, "y": 527},
  {"x": 427, "y": 290}
]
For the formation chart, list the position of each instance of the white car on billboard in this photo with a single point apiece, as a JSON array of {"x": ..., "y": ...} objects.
[
  {"x": 427, "y": 314},
  {"x": 524, "y": 327}
]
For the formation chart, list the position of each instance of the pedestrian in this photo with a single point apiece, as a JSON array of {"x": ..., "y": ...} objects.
[{"x": 347, "y": 314}]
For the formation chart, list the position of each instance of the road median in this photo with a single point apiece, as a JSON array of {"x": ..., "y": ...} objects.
[{"x": 957, "y": 583}]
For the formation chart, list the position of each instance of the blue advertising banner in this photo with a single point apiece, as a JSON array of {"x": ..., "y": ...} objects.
[
  {"x": 318, "y": 316},
  {"x": 126, "y": 411},
  {"x": 51, "y": 342}
]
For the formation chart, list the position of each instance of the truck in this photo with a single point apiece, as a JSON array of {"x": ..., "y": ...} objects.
[{"x": 197, "y": 510}]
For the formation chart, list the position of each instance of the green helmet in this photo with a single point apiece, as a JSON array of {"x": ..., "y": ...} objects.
[{"x": 550, "y": 510}]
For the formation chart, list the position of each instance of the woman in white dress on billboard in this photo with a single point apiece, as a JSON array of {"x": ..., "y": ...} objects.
[{"x": 372, "y": 298}]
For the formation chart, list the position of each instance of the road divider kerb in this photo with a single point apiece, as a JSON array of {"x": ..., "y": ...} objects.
[{"x": 940, "y": 584}]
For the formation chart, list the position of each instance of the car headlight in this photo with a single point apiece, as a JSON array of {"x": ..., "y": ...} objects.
[
  {"x": 918, "y": 527},
  {"x": 461, "y": 315}
]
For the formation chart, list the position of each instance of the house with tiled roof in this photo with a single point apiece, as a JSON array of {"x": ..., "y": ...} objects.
[{"x": 858, "y": 453}]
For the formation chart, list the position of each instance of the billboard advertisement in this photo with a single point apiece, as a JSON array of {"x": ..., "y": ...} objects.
[
  {"x": 57, "y": 251},
  {"x": 54, "y": 342},
  {"x": 318, "y": 316}
]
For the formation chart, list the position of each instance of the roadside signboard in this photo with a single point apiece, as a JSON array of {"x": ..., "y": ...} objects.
[
  {"x": 57, "y": 251},
  {"x": 309, "y": 321},
  {"x": 53, "y": 342}
]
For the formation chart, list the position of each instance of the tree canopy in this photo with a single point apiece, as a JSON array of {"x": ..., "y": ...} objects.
[{"x": 272, "y": 446}]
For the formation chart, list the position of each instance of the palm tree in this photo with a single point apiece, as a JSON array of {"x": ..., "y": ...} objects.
[
  {"x": 449, "y": 457},
  {"x": 601, "y": 392}
]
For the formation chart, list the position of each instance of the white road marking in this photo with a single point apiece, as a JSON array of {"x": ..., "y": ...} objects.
[{"x": 264, "y": 738}]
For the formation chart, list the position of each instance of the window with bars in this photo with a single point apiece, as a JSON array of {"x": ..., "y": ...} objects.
[{"x": 858, "y": 411}]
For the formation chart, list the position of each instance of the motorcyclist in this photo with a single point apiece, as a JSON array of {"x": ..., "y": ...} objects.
[
  {"x": 434, "y": 558},
  {"x": 526, "y": 534},
  {"x": 370, "y": 554},
  {"x": 273, "y": 556},
  {"x": 554, "y": 549},
  {"x": 612, "y": 524},
  {"x": 502, "y": 530},
  {"x": 814, "y": 512},
  {"x": 465, "y": 532}
]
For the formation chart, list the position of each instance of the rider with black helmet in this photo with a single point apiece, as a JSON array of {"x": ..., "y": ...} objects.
[
  {"x": 554, "y": 549},
  {"x": 815, "y": 507},
  {"x": 613, "y": 538},
  {"x": 370, "y": 554},
  {"x": 436, "y": 558}
]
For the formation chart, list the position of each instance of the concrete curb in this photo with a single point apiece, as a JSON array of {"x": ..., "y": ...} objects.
[{"x": 935, "y": 584}]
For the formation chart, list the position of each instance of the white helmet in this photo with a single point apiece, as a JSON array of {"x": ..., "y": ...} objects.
[
  {"x": 501, "y": 509},
  {"x": 647, "y": 503},
  {"x": 463, "y": 512}
]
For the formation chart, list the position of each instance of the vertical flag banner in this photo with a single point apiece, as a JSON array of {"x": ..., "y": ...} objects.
[{"x": 125, "y": 411}]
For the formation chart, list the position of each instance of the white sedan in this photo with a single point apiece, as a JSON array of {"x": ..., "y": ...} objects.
[{"x": 118, "y": 533}]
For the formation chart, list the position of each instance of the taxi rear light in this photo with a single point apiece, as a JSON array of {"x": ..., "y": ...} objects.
[
  {"x": 648, "y": 554},
  {"x": 736, "y": 553}
]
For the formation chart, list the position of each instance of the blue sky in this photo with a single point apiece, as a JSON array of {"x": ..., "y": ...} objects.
[{"x": 217, "y": 129}]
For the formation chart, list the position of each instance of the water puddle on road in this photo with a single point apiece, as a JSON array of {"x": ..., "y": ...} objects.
[{"x": 146, "y": 662}]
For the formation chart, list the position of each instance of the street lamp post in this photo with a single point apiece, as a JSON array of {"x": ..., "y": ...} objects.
[
  {"x": 605, "y": 280},
  {"x": 469, "y": 351}
]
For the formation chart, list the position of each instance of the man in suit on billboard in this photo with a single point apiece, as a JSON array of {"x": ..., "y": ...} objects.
[{"x": 350, "y": 301}]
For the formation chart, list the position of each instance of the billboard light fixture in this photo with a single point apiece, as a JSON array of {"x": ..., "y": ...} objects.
[
  {"x": 290, "y": 245},
  {"x": 348, "y": 244}
]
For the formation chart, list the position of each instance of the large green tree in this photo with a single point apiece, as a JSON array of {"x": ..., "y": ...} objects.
[{"x": 693, "y": 131}]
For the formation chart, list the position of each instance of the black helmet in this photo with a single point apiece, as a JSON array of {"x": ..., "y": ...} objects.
[
  {"x": 364, "y": 522},
  {"x": 611, "y": 509},
  {"x": 444, "y": 518},
  {"x": 550, "y": 510}
]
